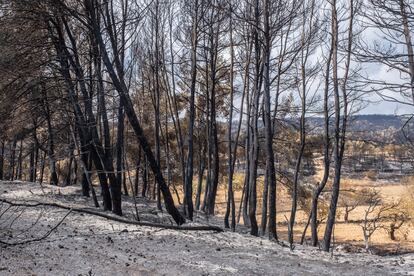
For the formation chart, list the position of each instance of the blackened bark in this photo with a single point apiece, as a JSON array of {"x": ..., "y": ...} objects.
[
  {"x": 201, "y": 169},
  {"x": 87, "y": 130},
  {"x": 188, "y": 186},
  {"x": 122, "y": 90},
  {"x": 253, "y": 156},
  {"x": 265, "y": 203},
  {"x": 270, "y": 161},
  {"x": 50, "y": 140},
  {"x": 120, "y": 146},
  {"x": 157, "y": 101},
  {"x": 246, "y": 188},
  {"x": 32, "y": 169},
  {"x": 254, "y": 141},
  {"x": 42, "y": 169},
  {"x": 145, "y": 178},
  {"x": 12, "y": 160},
  {"x": 2, "y": 160},
  {"x": 20, "y": 161},
  {"x": 327, "y": 157},
  {"x": 340, "y": 119},
  {"x": 213, "y": 36},
  {"x": 136, "y": 181},
  {"x": 85, "y": 159}
]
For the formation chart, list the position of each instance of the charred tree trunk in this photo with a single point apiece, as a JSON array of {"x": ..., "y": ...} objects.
[
  {"x": 254, "y": 141},
  {"x": 2, "y": 161},
  {"x": 86, "y": 125},
  {"x": 231, "y": 206},
  {"x": 120, "y": 146},
  {"x": 340, "y": 118},
  {"x": 201, "y": 169},
  {"x": 138, "y": 166},
  {"x": 20, "y": 162},
  {"x": 12, "y": 160},
  {"x": 85, "y": 159},
  {"x": 145, "y": 178},
  {"x": 265, "y": 201},
  {"x": 270, "y": 159},
  {"x": 120, "y": 86},
  {"x": 188, "y": 186},
  {"x": 42, "y": 169},
  {"x": 51, "y": 142},
  {"x": 32, "y": 169},
  {"x": 213, "y": 37}
]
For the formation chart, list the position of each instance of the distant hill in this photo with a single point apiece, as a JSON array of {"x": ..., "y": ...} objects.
[
  {"x": 377, "y": 122},
  {"x": 374, "y": 127},
  {"x": 361, "y": 123},
  {"x": 386, "y": 127}
]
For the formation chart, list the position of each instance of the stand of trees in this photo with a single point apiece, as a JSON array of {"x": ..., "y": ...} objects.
[{"x": 177, "y": 92}]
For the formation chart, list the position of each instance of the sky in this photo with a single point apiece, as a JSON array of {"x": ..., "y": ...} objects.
[
  {"x": 384, "y": 107},
  {"x": 376, "y": 104},
  {"x": 380, "y": 72}
]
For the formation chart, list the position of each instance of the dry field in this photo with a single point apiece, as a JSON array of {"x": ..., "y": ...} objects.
[{"x": 348, "y": 233}]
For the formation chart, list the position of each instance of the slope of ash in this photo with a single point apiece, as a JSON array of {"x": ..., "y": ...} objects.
[{"x": 85, "y": 244}]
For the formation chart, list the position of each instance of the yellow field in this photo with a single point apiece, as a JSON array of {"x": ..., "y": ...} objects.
[{"x": 344, "y": 232}]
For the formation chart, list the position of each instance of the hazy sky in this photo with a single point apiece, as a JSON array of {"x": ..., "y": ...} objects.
[
  {"x": 383, "y": 107},
  {"x": 378, "y": 105},
  {"x": 374, "y": 71}
]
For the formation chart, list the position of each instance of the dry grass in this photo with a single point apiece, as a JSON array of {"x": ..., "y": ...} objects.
[{"x": 350, "y": 232}]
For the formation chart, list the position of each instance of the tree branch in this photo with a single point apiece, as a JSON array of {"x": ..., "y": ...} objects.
[{"x": 115, "y": 218}]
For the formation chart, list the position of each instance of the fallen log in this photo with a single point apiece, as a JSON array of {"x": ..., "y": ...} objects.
[{"x": 113, "y": 217}]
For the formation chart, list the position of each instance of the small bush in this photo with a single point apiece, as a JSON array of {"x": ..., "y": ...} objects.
[{"x": 371, "y": 175}]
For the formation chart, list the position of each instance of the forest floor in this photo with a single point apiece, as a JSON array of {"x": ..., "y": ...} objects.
[{"x": 85, "y": 244}]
